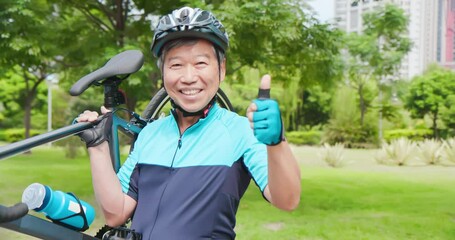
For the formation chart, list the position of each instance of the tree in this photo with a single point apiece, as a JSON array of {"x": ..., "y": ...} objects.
[
  {"x": 359, "y": 73},
  {"x": 376, "y": 54},
  {"x": 315, "y": 112},
  {"x": 13, "y": 97},
  {"x": 280, "y": 38},
  {"x": 79, "y": 37},
  {"x": 431, "y": 94},
  {"x": 120, "y": 25},
  {"x": 28, "y": 48}
]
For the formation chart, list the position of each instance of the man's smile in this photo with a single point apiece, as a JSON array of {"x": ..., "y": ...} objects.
[{"x": 190, "y": 92}]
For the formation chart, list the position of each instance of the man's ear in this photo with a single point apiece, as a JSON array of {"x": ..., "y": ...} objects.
[{"x": 223, "y": 70}]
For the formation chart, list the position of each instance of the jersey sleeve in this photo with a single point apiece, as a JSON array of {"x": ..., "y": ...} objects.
[
  {"x": 128, "y": 172},
  {"x": 254, "y": 153}
]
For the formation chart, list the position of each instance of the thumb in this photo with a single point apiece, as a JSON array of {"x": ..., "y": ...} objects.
[
  {"x": 264, "y": 88},
  {"x": 104, "y": 110}
]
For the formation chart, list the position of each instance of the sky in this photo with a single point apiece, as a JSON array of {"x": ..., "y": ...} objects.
[{"x": 324, "y": 8}]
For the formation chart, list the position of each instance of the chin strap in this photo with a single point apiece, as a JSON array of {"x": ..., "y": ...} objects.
[{"x": 203, "y": 112}]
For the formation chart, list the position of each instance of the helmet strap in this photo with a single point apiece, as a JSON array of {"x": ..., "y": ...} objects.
[{"x": 203, "y": 112}]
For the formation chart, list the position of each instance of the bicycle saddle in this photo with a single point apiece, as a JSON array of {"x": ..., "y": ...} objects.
[{"x": 124, "y": 63}]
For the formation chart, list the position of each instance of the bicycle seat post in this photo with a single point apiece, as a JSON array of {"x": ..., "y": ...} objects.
[{"x": 113, "y": 97}]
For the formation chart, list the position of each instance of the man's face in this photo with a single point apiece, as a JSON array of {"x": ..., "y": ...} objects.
[{"x": 191, "y": 75}]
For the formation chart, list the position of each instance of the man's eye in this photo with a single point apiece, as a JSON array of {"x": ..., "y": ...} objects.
[
  {"x": 176, "y": 65},
  {"x": 201, "y": 63}
]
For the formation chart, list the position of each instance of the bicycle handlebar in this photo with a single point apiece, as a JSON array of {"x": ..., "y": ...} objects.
[
  {"x": 123, "y": 63},
  {"x": 8, "y": 214}
]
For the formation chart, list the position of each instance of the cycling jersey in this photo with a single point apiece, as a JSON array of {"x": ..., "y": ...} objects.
[{"x": 188, "y": 186}]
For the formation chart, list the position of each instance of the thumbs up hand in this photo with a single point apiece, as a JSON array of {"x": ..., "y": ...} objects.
[{"x": 265, "y": 117}]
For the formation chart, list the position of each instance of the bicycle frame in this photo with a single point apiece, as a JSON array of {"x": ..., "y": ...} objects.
[
  {"x": 40, "y": 228},
  {"x": 114, "y": 145}
]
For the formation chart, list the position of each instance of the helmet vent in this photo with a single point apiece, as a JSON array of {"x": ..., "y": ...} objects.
[{"x": 184, "y": 15}]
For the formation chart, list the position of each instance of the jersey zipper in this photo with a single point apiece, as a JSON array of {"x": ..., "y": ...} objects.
[
  {"x": 179, "y": 145},
  {"x": 179, "y": 142}
]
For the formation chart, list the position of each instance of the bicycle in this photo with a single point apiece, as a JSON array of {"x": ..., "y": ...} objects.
[{"x": 109, "y": 76}]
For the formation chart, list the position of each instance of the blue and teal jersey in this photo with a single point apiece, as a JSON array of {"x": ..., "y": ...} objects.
[{"x": 188, "y": 186}]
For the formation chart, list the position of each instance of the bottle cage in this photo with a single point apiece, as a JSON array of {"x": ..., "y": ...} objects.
[
  {"x": 81, "y": 213},
  {"x": 121, "y": 233}
]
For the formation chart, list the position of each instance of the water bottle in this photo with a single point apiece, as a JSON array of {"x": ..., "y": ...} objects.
[{"x": 62, "y": 208}]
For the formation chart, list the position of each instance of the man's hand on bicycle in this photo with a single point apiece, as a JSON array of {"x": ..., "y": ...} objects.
[{"x": 100, "y": 132}]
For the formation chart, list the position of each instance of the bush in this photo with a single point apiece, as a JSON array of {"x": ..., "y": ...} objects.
[
  {"x": 398, "y": 152},
  {"x": 333, "y": 155},
  {"x": 73, "y": 146},
  {"x": 449, "y": 150},
  {"x": 410, "y": 134},
  {"x": 17, "y": 134},
  {"x": 344, "y": 125},
  {"x": 353, "y": 136},
  {"x": 430, "y": 151},
  {"x": 304, "y": 137},
  {"x": 2, "y": 135}
]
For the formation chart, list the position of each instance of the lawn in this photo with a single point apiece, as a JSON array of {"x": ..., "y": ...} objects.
[{"x": 362, "y": 200}]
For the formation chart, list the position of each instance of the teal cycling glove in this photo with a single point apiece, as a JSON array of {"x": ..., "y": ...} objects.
[{"x": 268, "y": 126}]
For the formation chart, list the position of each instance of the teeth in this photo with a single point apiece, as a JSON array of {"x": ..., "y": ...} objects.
[{"x": 190, "y": 91}]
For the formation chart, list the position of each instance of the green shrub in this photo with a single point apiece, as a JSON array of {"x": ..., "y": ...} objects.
[
  {"x": 449, "y": 150},
  {"x": 304, "y": 137},
  {"x": 410, "y": 134},
  {"x": 17, "y": 134},
  {"x": 333, "y": 155},
  {"x": 2, "y": 135},
  {"x": 345, "y": 126},
  {"x": 398, "y": 152},
  {"x": 73, "y": 146},
  {"x": 353, "y": 136},
  {"x": 430, "y": 151}
]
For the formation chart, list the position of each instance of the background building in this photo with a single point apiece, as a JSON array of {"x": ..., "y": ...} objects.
[
  {"x": 446, "y": 33},
  {"x": 431, "y": 29}
]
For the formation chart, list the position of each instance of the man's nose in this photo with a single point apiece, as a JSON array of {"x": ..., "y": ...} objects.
[{"x": 189, "y": 75}]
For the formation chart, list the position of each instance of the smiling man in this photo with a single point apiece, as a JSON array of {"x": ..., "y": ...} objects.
[{"x": 188, "y": 171}]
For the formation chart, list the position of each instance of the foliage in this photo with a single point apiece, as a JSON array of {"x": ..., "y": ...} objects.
[
  {"x": 430, "y": 151},
  {"x": 117, "y": 26},
  {"x": 375, "y": 53},
  {"x": 344, "y": 125},
  {"x": 28, "y": 48},
  {"x": 400, "y": 119},
  {"x": 386, "y": 26},
  {"x": 398, "y": 152},
  {"x": 294, "y": 48},
  {"x": 315, "y": 109},
  {"x": 74, "y": 38},
  {"x": 333, "y": 155},
  {"x": 16, "y": 134},
  {"x": 73, "y": 146},
  {"x": 432, "y": 95},
  {"x": 448, "y": 114},
  {"x": 304, "y": 137},
  {"x": 410, "y": 134},
  {"x": 13, "y": 97}
]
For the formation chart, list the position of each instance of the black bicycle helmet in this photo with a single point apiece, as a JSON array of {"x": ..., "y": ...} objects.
[{"x": 189, "y": 22}]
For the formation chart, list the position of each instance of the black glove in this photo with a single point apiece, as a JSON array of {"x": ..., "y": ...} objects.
[{"x": 99, "y": 133}]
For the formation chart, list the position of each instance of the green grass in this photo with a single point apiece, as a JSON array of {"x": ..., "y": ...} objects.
[
  {"x": 345, "y": 204},
  {"x": 360, "y": 201}
]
